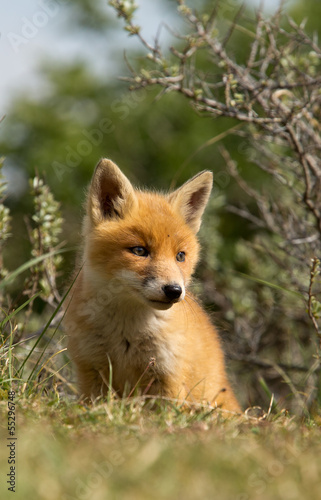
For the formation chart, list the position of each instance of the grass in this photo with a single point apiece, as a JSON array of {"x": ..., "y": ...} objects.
[
  {"x": 132, "y": 449},
  {"x": 121, "y": 449}
]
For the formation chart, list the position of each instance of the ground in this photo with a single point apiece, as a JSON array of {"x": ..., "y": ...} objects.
[{"x": 126, "y": 450}]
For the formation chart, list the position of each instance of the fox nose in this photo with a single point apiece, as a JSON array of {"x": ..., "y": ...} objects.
[{"x": 172, "y": 292}]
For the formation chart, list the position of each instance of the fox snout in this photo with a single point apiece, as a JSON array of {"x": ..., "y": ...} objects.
[
  {"x": 172, "y": 292},
  {"x": 163, "y": 296},
  {"x": 156, "y": 291}
]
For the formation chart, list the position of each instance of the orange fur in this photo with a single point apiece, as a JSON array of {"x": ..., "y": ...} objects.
[{"x": 129, "y": 308}]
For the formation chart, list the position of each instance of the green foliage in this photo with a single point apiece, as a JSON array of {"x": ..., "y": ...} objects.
[
  {"x": 308, "y": 14},
  {"x": 45, "y": 235},
  {"x": 47, "y": 218},
  {"x": 16, "y": 320},
  {"x": 4, "y": 221}
]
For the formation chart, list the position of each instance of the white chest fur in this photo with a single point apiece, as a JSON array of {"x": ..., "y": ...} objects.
[{"x": 129, "y": 334}]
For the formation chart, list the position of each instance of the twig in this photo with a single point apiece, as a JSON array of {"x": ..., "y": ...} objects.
[
  {"x": 268, "y": 364},
  {"x": 315, "y": 271}
]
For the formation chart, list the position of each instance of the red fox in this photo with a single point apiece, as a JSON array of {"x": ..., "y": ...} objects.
[{"x": 130, "y": 320}]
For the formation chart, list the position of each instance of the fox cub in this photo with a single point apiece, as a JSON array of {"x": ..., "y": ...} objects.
[{"x": 130, "y": 320}]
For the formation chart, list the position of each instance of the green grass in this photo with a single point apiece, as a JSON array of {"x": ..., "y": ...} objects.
[
  {"x": 123, "y": 449},
  {"x": 133, "y": 448}
]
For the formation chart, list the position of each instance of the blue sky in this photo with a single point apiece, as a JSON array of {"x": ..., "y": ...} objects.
[{"x": 35, "y": 29}]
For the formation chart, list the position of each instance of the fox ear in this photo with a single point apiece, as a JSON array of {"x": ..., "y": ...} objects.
[
  {"x": 191, "y": 198},
  {"x": 110, "y": 193}
]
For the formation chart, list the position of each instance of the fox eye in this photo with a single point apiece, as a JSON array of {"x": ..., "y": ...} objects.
[
  {"x": 139, "y": 251},
  {"x": 180, "y": 257}
]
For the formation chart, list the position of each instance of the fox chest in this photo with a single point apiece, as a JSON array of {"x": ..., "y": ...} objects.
[{"x": 131, "y": 345}]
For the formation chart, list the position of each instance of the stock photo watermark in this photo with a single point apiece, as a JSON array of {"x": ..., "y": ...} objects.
[
  {"x": 93, "y": 137},
  {"x": 260, "y": 481},
  {"x": 30, "y": 26},
  {"x": 11, "y": 442},
  {"x": 100, "y": 472}
]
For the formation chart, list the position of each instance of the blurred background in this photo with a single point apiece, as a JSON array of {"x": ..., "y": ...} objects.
[
  {"x": 62, "y": 60},
  {"x": 65, "y": 107}
]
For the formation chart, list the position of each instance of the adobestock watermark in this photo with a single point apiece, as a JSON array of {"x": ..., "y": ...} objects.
[
  {"x": 102, "y": 471},
  {"x": 93, "y": 307},
  {"x": 228, "y": 6},
  {"x": 223, "y": 178},
  {"x": 30, "y": 26},
  {"x": 91, "y": 138},
  {"x": 259, "y": 482},
  {"x": 94, "y": 137},
  {"x": 220, "y": 182}
]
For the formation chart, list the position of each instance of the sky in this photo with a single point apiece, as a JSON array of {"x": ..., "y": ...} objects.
[
  {"x": 37, "y": 29},
  {"x": 31, "y": 30}
]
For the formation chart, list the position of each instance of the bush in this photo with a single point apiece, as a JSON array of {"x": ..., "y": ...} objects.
[{"x": 265, "y": 287}]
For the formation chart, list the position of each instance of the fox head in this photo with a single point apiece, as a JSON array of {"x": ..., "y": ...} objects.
[{"x": 143, "y": 241}]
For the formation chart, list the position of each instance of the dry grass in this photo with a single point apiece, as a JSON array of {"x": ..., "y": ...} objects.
[{"x": 123, "y": 449}]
